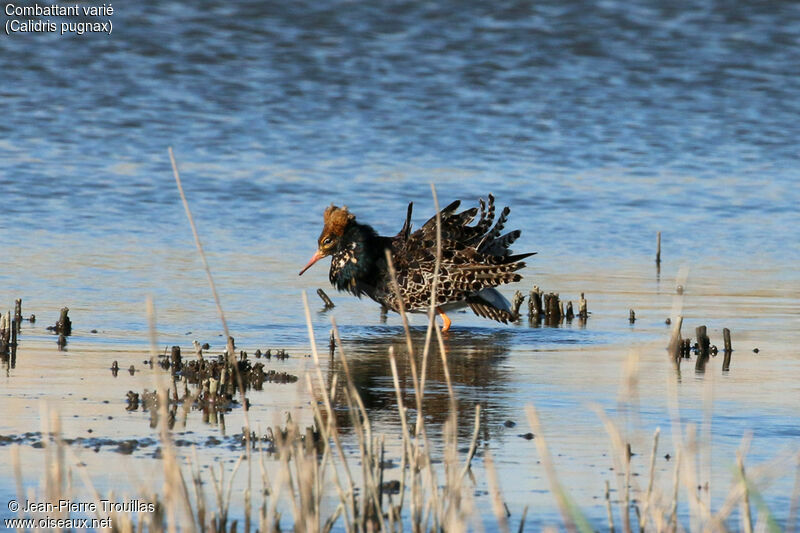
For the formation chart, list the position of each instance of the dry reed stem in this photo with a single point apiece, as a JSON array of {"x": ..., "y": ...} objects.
[
  {"x": 326, "y": 437},
  {"x": 673, "y": 348},
  {"x": 416, "y": 454},
  {"x": 411, "y": 359},
  {"x": 764, "y": 474},
  {"x": 621, "y": 464},
  {"x": 361, "y": 424},
  {"x": 434, "y": 283},
  {"x": 410, "y": 452},
  {"x": 325, "y": 397},
  {"x": 473, "y": 444},
  {"x": 446, "y": 367},
  {"x": 87, "y": 481},
  {"x": 228, "y": 339},
  {"x": 400, "y": 302},
  {"x": 672, "y": 523},
  {"x": 747, "y": 521},
  {"x": 266, "y": 489},
  {"x": 365, "y": 438},
  {"x": 199, "y": 493},
  {"x": 352, "y": 387},
  {"x": 689, "y": 477},
  {"x": 420, "y": 425},
  {"x": 223, "y": 497},
  {"x": 231, "y": 354},
  {"x": 230, "y": 485},
  {"x": 175, "y": 490},
  {"x": 17, "y": 464},
  {"x": 494, "y": 489},
  {"x": 273, "y": 517},
  {"x": 609, "y": 512},
  {"x": 547, "y": 462},
  {"x": 705, "y": 449},
  {"x": 407, "y": 449},
  {"x": 651, "y": 480},
  {"x": 286, "y": 476},
  {"x": 331, "y": 521},
  {"x": 452, "y": 502},
  {"x": 795, "y": 498},
  {"x": 367, "y": 463},
  {"x": 522, "y": 520}
]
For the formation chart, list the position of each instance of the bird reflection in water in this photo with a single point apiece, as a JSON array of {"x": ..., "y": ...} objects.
[{"x": 477, "y": 375}]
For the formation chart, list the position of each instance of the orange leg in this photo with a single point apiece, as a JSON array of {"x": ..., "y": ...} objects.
[{"x": 445, "y": 319}]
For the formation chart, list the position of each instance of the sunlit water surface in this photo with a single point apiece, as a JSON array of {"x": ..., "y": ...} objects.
[{"x": 598, "y": 124}]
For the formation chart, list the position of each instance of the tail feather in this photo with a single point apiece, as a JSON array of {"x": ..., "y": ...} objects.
[
  {"x": 465, "y": 217},
  {"x": 444, "y": 215},
  {"x": 447, "y": 211},
  {"x": 476, "y": 256},
  {"x": 487, "y": 217},
  {"x": 518, "y": 257},
  {"x": 489, "y": 303},
  {"x": 500, "y": 245},
  {"x": 495, "y": 231},
  {"x": 406, "y": 231}
]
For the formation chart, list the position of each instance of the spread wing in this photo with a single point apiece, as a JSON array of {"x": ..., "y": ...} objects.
[{"x": 474, "y": 257}]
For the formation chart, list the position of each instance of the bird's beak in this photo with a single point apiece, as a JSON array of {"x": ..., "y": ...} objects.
[{"x": 316, "y": 257}]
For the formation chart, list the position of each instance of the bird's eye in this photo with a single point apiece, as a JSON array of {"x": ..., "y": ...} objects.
[{"x": 327, "y": 241}]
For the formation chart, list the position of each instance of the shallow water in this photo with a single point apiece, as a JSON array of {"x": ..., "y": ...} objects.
[{"x": 598, "y": 125}]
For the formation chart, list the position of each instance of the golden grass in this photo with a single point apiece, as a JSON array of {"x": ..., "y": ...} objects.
[{"x": 433, "y": 496}]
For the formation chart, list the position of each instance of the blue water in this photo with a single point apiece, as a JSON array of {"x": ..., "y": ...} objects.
[
  {"x": 621, "y": 117},
  {"x": 598, "y": 123}
]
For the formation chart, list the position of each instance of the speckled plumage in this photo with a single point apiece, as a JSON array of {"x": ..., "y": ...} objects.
[{"x": 475, "y": 259}]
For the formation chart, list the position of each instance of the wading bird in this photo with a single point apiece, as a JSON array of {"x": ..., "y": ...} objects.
[{"x": 474, "y": 260}]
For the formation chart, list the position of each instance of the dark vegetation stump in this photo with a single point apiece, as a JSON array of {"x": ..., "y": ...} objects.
[
  {"x": 18, "y": 313},
  {"x": 552, "y": 309},
  {"x": 703, "y": 341},
  {"x": 175, "y": 359},
  {"x": 726, "y": 336},
  {"x": 556, "y": 303},
  {"x": 535, "y": 304},
  {"x": 686, "y": 348},
  {"x": 64, "y": 324},
  {"x": 516, "y": 303},
  {"x": 325, "y": 299},
  {"x": 5, "y": 332},
  {"x": 548, "y": 307},
  {"x": 198, "y": 350},
  {"x": 658, "y": 249},
  {"x": 703, "y": 344},
  {"x": 583, "y": 311}
]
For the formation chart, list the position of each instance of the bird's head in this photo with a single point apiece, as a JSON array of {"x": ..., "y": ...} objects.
[{"x": 336, "y": 220}]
